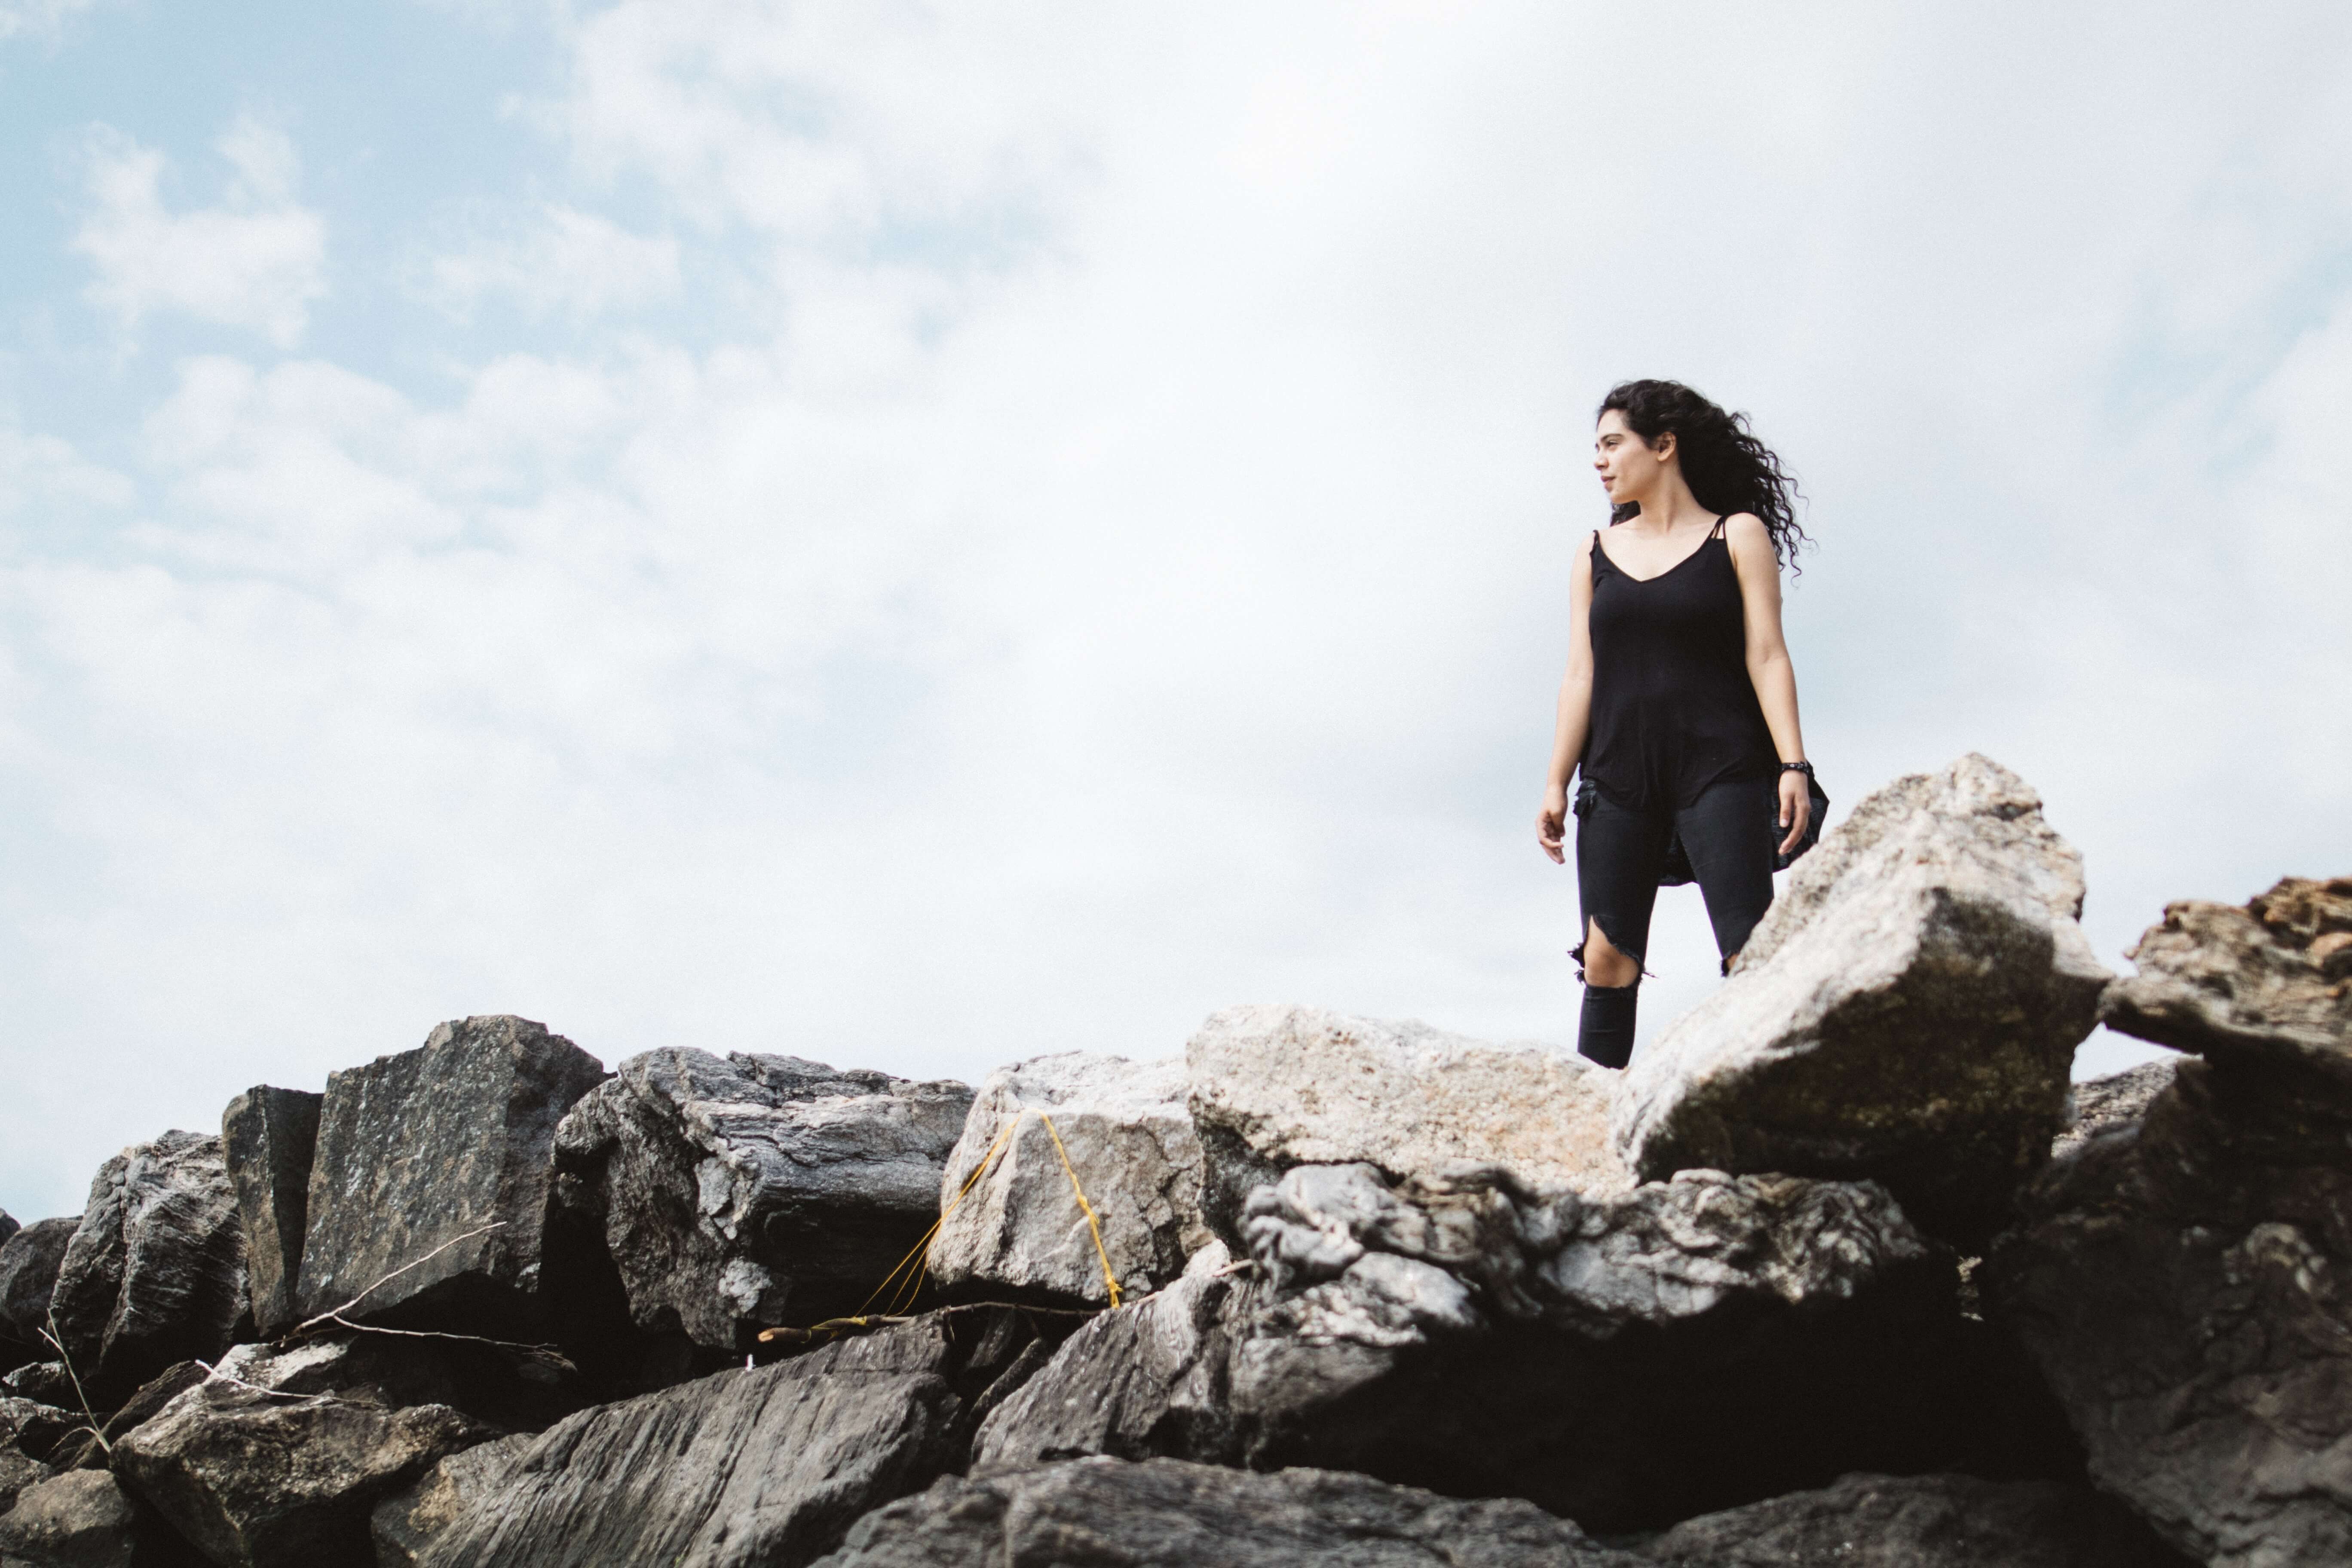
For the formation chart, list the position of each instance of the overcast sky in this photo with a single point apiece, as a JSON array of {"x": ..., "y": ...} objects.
[{"x": 918, "y": 536}]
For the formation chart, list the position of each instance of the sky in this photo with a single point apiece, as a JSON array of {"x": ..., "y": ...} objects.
[{"x": 919, "y": 536}]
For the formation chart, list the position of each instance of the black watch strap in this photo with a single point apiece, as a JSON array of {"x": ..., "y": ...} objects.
[{"x": 1804, "y": 768}]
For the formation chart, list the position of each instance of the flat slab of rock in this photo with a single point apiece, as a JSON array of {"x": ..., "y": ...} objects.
[
  {"x": 1907, "y": 1013},
  {"x": 416, "y": 1149},
  {"x": 83, "y": 1518},
  {"x": 262, "y": 1482},
  {"x": 155, "y": 1271},
  {"x": 1275, "y": 1086},
  {"x": 268, "y": 1136},
  {"x": 2268, "y": 986},
  {"x": 2184, "y": 1289},
  {"x": 1919, "y": 1522},
  {"x": 767, "y": 1465},
  {"x": 747, "y": 1192},
  {"x": 1164, "y": 1513},
  {"x": 1129, "y": 1136},
  {"x": 29, "y": 1260},
  {"x": 406, "y": 1522}
]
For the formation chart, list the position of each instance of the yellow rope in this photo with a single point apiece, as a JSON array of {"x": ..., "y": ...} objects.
[{"x": 1109, "y": 1279}]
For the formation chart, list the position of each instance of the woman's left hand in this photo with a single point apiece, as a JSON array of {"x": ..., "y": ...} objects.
[{"x": 1796, "y": 808}]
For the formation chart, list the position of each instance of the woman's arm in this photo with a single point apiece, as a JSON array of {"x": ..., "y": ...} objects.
[
  {"x": 1574, "y": 716},
  {"x": 1768, "y": 668}
]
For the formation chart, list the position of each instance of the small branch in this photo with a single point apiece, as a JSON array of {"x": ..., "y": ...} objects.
[
  {"x": 97, "y": 1427},
  {"x": 336, "y": 1317},
  {"x": 336, "y": 1314}
]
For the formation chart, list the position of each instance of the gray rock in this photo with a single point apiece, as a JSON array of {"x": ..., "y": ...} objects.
[
  {"x": 9, "y": 1225},
  {"x": 27, "y": 1433},
  {"x": 404, "y": 1523},
  {"x": 1163, "y": 1513},
  {"x": 83, "y": 1518},
  {"x": 510, "y": 1387},
  {"x": 1151, "y": 1379},
  {"x": 2263, "y": 988},
  {"x": 1130, "y": 1138},
  {"x": 43, "y": 1382},
  {"x": 155, "y": 1271},
  {"x": 415, "y": 1151},
  {"x": 29, "y": 1260},
  {"x": 259, "y": 1481},
  {"x": 1275, "y": 1086},
  {"x": 1907, "y": 1012},
  {"x": 766, "y": 1465},
  {"x": 754, "y": 1191},
  {"x": 2183, "y": 1287},
  {"x": 268, "y": 1136},
  {"x": 87, "y": 1449},
  {"x": 2110, "y": 1104},
  {"x": 1918, "y": 1521}
]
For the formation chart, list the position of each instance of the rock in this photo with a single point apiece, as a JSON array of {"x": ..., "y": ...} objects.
[
  {"x": 1275, "y": 1086},
  {"x": 2183, "y": 1287},
  {"x": 417, "y": 1150},
  {"x": 85, "y": 1450},
  {"x": 268, "y": 1136},
  {"x": 404, "y": 1523},
  {"x": 766, "y": 1465},
  {"x": 1163, "y": 1513},
  {"x": 155, "y": 1272},
  {"x": 27, "y": 1433},
  {"x": 83, "y": 1518},
  {"x": 1149, "y": 1379},
  {"x": 1918, "y": 1521},
  {"x": 9, "y": 1226},
  {"x": 1907, "y": 1012},
  {"x": 755, "y": 1191},
  {"x": 258, "y": 1481},
  {"x": 2109, "y": 1104},
  {"x": 42, "y": 1381},
  {"x": 29, "y": 1260},
  {"x": 2266, "y": 987},
  {"x": 1129, "y": 1137},
  {"x": 510, "y": 1387}
]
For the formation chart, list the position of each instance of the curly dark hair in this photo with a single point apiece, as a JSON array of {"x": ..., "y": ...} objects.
[{"x": 1727, "y": 469}]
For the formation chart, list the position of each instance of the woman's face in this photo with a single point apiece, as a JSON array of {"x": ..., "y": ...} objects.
[{"x": 1628, "y": 466}]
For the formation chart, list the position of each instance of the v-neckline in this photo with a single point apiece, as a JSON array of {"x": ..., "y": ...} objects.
[{"x": 1599, "y": 543}]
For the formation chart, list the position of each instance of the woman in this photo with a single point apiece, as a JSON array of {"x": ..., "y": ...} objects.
[{"x": 1679, "y": 703}]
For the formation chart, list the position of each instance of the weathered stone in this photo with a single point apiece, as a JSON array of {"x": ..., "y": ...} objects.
[
  {"x": 1163, "y": 1513},
  {"x": 1919, "y": 1522},
  {"x": 1129, "y": 1137},
  {"x": 1273, "y": 1086},
  {"x": 766, "y": 1465},
  {"x": 84, "y": 1519},
  {"x": 43, "y": 1382},
  {"x": 261, "y": 1481},
  {"x": 9, "y": 1226},
  {"x": 2265, "y": 988},
  {"x": 429, "y": 1184},
  {"x": 404, "y": 1523},
  {"x": 2183, "y": 1287},
  {"x": 2109, "y": 1104},
  {"x": 85, "y": 1449},
  {"x": 511, "y": 1387},
  {"x": 155, "y": 1271},
  {"x": 27, "y": 1433},
  {"x": 1148, "y": 1380},
  {"x": 268, "y": 1136},
  {"x": 29, "y": 1260},
  {"x": 755, "y": 1191},
  {"x": 1907, "y": 1011}
]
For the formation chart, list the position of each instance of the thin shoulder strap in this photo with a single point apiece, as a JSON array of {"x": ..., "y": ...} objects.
[
  {"x": 1599, "y": 556},
  {"x": 1719, "y": 528}
]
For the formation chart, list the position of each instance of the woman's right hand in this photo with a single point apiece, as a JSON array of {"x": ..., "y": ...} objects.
[{"x": 1552, "y": 824}]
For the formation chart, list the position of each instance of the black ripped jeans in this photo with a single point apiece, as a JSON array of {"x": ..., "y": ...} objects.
[{"x": 1730, "y": 836}]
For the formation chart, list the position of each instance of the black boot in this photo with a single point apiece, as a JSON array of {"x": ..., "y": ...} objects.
[{"x": 1606, "y": 1031}]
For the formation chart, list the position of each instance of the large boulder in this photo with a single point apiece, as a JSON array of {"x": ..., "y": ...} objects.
[
  {"x": 1918, "y": 1521},
  {"x": 2265, "y": 989},
  {"x": 429, "y": 1181},
  {"x": 28, "y": 1431},
  {"x": 1164, "y": 1513},
  {"x": 29, "y": 1261},
  {"x": 1128, "y": 1136},
  {"x": 1907, "y": 1011},
  {"x": 268, "y": 1136},
  {"x": 511, "y": 1387},
  {"x": 259, "y": 1479},
  {"x": 9, "y": 1226},
  {"x": 155, "y": 1272},
  {"x": 2182, "y": 1285},
  {"x": 767, "y": 1464},
  {"x": 1275, "y": 1086},
  {"x": 84, "y": 1519},
  {"x": 752, "y": 1192},
  {"x": 406, "y": 1522},
  {"x": 2110, "y": 1104}
]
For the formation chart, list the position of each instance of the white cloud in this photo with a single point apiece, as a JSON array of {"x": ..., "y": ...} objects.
[
  {"x": 45, "y": 473},
  {"x": 560, "y": 262},
  {"x": 38, "y": 18},
  {"x": 256, "y": 260}
]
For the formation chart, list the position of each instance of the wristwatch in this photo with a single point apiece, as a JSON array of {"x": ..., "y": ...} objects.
[{"x": 1804, "y": 768}]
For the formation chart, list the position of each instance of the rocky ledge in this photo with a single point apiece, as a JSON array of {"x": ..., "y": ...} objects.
[{"x": 1841, "y": 1272}]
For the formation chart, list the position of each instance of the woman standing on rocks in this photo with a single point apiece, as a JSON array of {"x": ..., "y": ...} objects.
[{"x": 1679, "y": 704}]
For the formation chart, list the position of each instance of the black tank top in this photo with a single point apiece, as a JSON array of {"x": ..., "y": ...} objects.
[{"x": 1673, "y": 709}]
